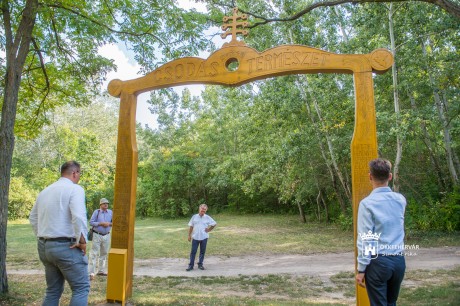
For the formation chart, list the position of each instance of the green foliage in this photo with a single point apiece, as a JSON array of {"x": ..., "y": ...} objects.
[
  {"x": 86, "y": 134},
  {"x": 440, "y": 215},
  {"x": 64, "y": 67},
  {"x": 345, "y": 221},
  {"x": 169, "y": 186},
  {"x": 265, "y": 146},
  {"x": 22, "y": 198},
  {"x": 268, "y": 145}
]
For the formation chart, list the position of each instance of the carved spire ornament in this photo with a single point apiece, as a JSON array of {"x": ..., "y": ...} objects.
[{"x": 236, "y": 27}]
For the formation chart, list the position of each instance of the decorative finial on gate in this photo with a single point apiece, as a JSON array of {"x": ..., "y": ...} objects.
[{"x": 236, "y": 26}]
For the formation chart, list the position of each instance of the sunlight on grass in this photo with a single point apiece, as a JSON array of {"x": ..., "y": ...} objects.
[{"x": 234, "y": 236}]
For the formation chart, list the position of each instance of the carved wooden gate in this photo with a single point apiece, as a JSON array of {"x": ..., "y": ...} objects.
[{"x": 232, "y": 65}]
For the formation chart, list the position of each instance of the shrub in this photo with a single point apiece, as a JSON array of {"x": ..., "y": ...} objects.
[
  {"x": 443, "y": 215},
  {"x": 21, "y": 199},
  {"x": 345, "y": 221}
]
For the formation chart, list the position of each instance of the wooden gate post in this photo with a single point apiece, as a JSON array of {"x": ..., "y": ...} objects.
[{"x": 124, "y": 203}]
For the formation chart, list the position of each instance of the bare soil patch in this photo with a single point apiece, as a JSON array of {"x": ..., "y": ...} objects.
[{"x": 323, "y": 265}]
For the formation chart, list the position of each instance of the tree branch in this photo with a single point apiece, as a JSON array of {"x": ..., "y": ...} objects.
[
  {"x": 46, "y": 90},
  {"x": 447, "y": 5},
  {"x": 75, "y": 12},
  {"x": 7, "y": 26},
  {"x": 42, "y": 63},
  {"x": 422, "y": 36}
]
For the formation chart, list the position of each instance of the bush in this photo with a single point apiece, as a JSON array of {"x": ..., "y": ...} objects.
[
  {"x": 345, "y": 221},
  {"x": 21, "y": 199},
  {"x": 442, "y": 215}
]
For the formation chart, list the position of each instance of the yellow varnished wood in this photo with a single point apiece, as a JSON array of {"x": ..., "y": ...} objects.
[
  {"x": 116, "y": 278},
  {"x": 363, "y": 149},
  {"x": 252, "y": 65},
  {"x": 124, "y": 203},
  {"x": 233, "y": 65}
]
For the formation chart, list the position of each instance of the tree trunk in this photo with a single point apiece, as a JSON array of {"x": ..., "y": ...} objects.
[
  {"x": 326, "y": 209},
  {"x": 345, "y": 187},
  {"x": 433, "y": 158},
  {"x": 445, "y": 125},
  {"x": 446, "y": 134},
  {"x": 454, "y": 154},
  {"x": 341, "y": 24},
  {"x": 301, "y": 212},
  {"x": 323, "y": 150},
  {"x": 320, "y": 200},
  {"x": 318, "y": 205},
  {"x": 331, "y": 152},
  {"x": 399, "y": 142},
  {"x": 17, "y": 48}
]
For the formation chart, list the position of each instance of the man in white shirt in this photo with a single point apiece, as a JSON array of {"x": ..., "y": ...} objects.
[
  {"x": 58, "y": 219},
  {"x": 199, "y": 227}
]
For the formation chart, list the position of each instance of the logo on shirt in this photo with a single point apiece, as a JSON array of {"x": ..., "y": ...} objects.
[{"x": 370, "y": 245}]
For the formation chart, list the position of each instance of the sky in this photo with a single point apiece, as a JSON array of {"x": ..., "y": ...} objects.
[{"x": 128, "y": 69}]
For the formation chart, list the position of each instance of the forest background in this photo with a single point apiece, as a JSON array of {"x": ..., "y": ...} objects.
[{"x": 280, "y": 145}]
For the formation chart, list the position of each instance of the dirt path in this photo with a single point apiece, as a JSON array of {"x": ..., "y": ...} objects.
[{"x": 323, "y": 265}]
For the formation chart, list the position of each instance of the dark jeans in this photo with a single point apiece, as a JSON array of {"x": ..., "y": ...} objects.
[
  {"x": 384, "y": 276},
  {"x": 202, "y": 244}
]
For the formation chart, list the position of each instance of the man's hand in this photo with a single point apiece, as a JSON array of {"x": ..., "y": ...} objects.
[
  {"x": 208, "y": 229},
  {"x": 360, "y": 279},
  {"x": 81, "y": 246},
  {"x": 190, "y": 231}
]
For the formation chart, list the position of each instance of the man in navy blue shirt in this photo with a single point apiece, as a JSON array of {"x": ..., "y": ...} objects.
[{"x": 380, "y": 241}]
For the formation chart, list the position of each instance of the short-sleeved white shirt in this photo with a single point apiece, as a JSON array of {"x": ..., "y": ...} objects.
[{"x": 199, "y": 225}]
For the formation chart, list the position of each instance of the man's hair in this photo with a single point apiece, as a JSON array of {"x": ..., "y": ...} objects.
[
  {"x": 380, "y": 169},
  {"x": 69, "y": 166}
]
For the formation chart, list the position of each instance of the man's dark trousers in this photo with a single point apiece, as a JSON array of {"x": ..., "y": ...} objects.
[
  {"x": 383, "y": 277},
  {"x": 195, "y": 244}
]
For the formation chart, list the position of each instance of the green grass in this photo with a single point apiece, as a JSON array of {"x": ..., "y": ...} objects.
[
  {"x": 248, "y": 290},
  {"x": 269, "y": 234},
  {"x": 426, "y": 288},
  {"x": 156, "y": 238}
]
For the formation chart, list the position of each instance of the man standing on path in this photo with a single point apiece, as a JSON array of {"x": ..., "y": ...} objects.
[
  {"x": 199, "y": 227},
  {"x": 58, "y": 219},
  {"x": 101, "y": 221},
  {"x": 380, "y": 239}
]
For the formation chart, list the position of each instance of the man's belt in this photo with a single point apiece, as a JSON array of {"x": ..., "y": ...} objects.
[
  {"x": 60, "y": 239},
  {"x": 101, "y": 233}
]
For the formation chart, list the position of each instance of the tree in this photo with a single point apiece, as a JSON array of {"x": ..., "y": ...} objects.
[
  {"x": 450, "y": 6},
  {"x": 51, "y": 60}
]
